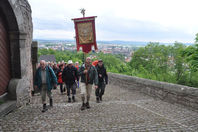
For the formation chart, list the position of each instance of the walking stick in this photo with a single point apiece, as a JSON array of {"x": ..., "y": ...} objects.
[{"x": 86, "y": 74}]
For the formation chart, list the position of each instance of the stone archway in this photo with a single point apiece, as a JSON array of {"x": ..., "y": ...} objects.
[{"x": 17, "y": 17}]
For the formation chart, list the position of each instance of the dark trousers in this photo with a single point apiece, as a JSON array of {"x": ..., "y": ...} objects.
[
  {"x": 61, "y": 87},
  {"x": 71, "y": 87},
  {"x": 100, "y": 90}
]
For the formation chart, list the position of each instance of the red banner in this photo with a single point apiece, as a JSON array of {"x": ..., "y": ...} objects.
[{"x": 85, "y": 33}]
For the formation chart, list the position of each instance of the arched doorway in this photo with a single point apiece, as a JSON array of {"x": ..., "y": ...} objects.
[
  {"x": 5, "y": 68},
  {"x": 15, "y": 51}
]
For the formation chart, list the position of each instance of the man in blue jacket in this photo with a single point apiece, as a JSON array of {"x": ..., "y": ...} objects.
[{"x": 45, "y": 78}]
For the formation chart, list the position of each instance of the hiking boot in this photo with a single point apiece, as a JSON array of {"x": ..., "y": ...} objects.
[
  {"x": 83, "y": 106},
  {"x": 87, "y": 105},
  {"x": 100, "y": 98},
  {"x": 32, "y": 93},
  {"x": 73, "y": 99},
  {"x": 97, "y": 100},
  {"x": 69, "y": 100},
  {"x": 51, "y": 103},
  {"x": 44, "y": 108}
]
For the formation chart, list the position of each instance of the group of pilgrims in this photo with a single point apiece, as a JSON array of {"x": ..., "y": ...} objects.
[{"x": 69, "y": 76}]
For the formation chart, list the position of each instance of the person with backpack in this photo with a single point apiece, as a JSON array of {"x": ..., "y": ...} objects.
[
  {"x": 45, "y": 79},
  {"x": 102, "y": 80},
  {"x": 69, "y": 75}
]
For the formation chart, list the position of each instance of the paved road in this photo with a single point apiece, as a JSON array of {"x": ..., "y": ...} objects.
[{"x": 122, "y": 110}]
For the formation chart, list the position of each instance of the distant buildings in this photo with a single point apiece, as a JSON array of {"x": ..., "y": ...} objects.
[{"x": 125, "y": 50}]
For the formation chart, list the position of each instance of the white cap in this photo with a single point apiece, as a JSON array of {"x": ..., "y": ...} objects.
[{"x": 70, "y": 62}]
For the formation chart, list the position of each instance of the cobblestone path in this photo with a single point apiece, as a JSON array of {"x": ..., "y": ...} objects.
[{"x": 122, "y": 110}]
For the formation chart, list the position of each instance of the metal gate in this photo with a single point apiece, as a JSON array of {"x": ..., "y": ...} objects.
[{"x": 5, "y": 74}]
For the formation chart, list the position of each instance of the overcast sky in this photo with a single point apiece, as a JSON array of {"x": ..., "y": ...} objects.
[{"x": 129, "y": 20}]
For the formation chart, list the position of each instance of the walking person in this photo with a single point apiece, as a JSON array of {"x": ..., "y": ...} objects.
[
  {"x": 89, "y": 76},
  {"x": 59, "y": 76},
  {"x": 77, "y": 67},
  {"x": 55, "y": 69},
  {"x": 44, "y": 80},
  {"x": 69, "y": 75},
  {"x": 102, "y": 80}
]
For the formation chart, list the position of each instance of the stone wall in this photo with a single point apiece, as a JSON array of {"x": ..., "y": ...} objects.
[
  {"x": 187, "y": 96},
  {"x": 20, "y": 85}
]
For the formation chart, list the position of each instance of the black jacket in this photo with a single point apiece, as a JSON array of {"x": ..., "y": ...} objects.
[
  {"x": 69, "y": 75},
  {"x": 103, "y": 72}
]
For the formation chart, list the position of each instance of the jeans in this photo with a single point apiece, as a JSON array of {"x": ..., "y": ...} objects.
[{"x": 72, "y": 88}]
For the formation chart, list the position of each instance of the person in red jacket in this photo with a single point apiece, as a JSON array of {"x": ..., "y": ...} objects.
[
  {"x": 59, "y": 76},
  {"x": 77, "y": 65},
  {"x": 94, "y": 63}
]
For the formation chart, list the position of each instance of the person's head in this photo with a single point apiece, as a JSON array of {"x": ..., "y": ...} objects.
[
  {"x": 100, "y": 62},
  {"x": 77, "y": 63},
  {"x": 70, "y": 63},
  {"x": 55, "y": 65},
  {"x": 61, "y": 66},
  {"x": 88, "y": 60},
  {"x": 42, "y": 64}
]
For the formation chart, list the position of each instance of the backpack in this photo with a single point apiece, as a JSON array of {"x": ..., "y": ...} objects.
[{"x": 51, "y": 76}]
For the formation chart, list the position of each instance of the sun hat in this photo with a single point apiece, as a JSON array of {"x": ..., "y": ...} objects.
[{"x": 70, "y": 62}]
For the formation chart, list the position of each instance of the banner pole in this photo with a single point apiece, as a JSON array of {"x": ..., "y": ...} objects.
[{"x": 86, "y": 74}]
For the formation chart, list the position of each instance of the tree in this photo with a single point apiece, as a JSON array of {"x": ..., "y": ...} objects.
[
  {"x": 178, "y": 61},
  {"x": 153, "y": 58},
  {"x": 191, "y": 54}
]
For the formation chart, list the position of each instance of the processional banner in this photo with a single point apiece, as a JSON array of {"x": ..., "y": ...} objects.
[{"x": 85, "y": 33}]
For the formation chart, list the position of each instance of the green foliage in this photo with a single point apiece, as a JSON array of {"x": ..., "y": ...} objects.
[
  {"x": 178, "y": 61},
  {"x": 112, "y": 63},
  {"x": 62, "y": 55},
  {"x": 151, "y": 61},
  {"x": 174, "y": 64},
  {"x": 191, "y": 55}
]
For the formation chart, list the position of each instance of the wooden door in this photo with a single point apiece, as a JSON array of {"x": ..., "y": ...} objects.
[{"x": 5, "y": 74}]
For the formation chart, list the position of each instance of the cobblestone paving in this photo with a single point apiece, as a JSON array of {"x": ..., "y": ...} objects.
[{"x": 122, "y": 110}]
